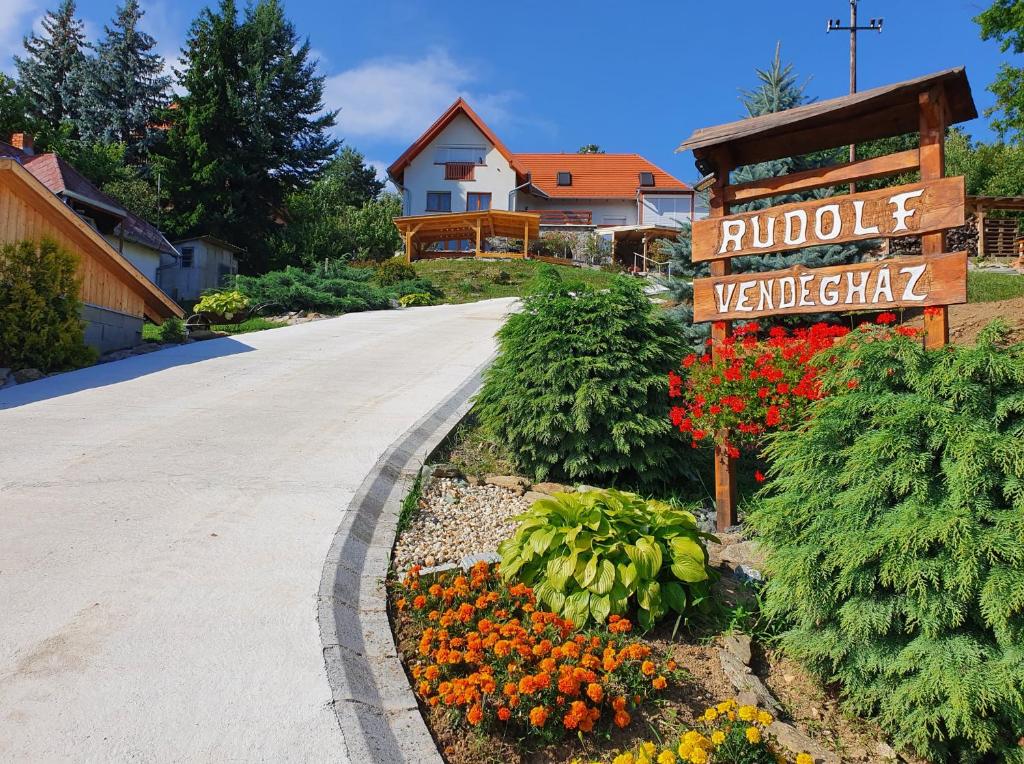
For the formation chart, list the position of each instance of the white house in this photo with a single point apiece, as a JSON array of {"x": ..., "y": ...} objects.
[
  {"x": 460, "y": 165},
  {"x": 201, "y": 263}
]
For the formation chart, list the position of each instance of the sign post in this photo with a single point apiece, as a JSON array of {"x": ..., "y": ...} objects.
[{"x": 926, "y": 208}]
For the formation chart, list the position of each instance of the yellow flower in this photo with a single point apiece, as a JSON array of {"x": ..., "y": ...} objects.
[
  {"x": 684, "y": 750},
  {"x": 699, "y": 756},
  {"x": 753, "y": 735},
  {"x": 747, "y": 713},
  {"x": 718, "y": 737},
  {"x": 711, "y": 714},
  {"x": 648, "y": 749},
  {"x": 623, "y": 758},
  {"x": 804, "y": 758},
  {"x": 666, "y": 757},
  {"x": 725, "y": 705},
  {"x": 764, "y": 718}
]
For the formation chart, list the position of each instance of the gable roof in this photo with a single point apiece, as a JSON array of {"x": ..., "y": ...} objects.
[
  {"x": 233, "y": 248},
  {"x": 596, "y": 176},
  {"x": 157, "y": 305},
  {"x": 134, "y": 228},
  {"x": 397, "y": 168}
]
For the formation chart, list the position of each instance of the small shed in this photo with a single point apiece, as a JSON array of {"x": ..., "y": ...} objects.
[
  {"x": 196, "y": 264},
  {"x": 997, "y": 237}
]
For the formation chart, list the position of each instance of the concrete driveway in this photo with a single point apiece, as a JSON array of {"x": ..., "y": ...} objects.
[{"x": 164, "y": 522}]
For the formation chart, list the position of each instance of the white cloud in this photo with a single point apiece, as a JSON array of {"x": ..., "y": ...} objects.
[
  {"x": 14, "y": 25},
  {"x": 381, "y": 169},
  {"x": 158, "y": 20},
  {"x": 397, "y": 99}
]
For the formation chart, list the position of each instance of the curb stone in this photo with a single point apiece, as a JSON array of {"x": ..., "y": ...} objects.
[{"x": 376, "y": 709}]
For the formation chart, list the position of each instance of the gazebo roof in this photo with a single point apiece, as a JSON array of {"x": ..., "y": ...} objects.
[
  {"x": 996, "y": 202},
  {"x": 877, "y": 113},
  {"x": 463, "y": 225}
]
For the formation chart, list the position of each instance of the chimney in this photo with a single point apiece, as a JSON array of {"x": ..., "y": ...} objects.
[{"x": 23, "y": 141}]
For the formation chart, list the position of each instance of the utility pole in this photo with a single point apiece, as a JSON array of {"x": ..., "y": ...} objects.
[{"x": 835, "y": 25}]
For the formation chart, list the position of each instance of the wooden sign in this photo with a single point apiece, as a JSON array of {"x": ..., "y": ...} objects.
[
  {"x": 895, "y": 283},
  {"x": 898, "y": 211}
]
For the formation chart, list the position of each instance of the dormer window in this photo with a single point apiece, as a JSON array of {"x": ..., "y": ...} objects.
[
  {"x": 564, "y": 178},
  {"x": 647, "y": 179}
]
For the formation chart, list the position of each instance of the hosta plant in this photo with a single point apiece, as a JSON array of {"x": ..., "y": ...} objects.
[
  {"x": 599, "y": 553},
  {"x": 225, "y": 304},
  {"x": 415, "y": 299}
]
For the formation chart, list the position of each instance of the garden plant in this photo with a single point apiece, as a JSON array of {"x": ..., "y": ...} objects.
[
  {"x": 226, "y": 303},
  {"x": 600, "y": 553},
  {"x": 894, "y": 527},
  {"x": 487, "y": 653},
  {"x": 578, "y": 388}
]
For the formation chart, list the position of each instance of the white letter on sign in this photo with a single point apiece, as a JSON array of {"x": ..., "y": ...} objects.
[
  {"x": 769, "y": 239},
  {"x": 805, "y": 279},
  {"x": 723, "y": 302},
  {"x": 732, "y": 231},
  {"x": 856, "y": 289},
  {"x": 789, "y": 238},
  {"x": 858, "y": 216},
  {"x": 915, "y": 272},
  {"x": 901, "y": 213},
  {"x": 784, "y": 302},
  {"x": 884, "y": 285},
  {"x": 837, "y": 222},
  {"x": 741, "y": 297},
  {"x": 825, "y": 296},
  {"x": 767, "y": 301}
]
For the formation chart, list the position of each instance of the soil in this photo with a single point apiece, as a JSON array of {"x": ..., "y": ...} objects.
[{"x": 967, "y": 321}]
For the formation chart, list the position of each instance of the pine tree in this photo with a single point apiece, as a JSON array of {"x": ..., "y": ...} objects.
[
  {"x": 13, "y": 108},
  {"x": 50, "y": 75},
  {"x": 125, "y": 86},
  {"x": 251, "y": 127}
]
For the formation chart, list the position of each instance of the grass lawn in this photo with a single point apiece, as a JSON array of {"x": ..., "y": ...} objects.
[
  {"x": 468, "y": 280},
  {"x": 989, "y": 287},
  {"x": 151, "y": 332}
]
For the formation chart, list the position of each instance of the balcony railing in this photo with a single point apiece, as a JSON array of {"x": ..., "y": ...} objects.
[
  {"x": 459, "y": 171},
  {"x": 565, "y": 217}
]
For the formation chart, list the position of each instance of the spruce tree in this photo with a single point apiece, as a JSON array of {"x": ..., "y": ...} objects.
[
  {"x": 124, "y": 86},
  {"x": 250, "y": 128},
  {"x": 50, "y": 74}
]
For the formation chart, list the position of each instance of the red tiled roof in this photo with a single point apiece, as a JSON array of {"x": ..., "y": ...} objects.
[
  {"x": 60, "y": 177},
  {"x": 460, "y": 106},
  {"x": 596, "y": 176}
]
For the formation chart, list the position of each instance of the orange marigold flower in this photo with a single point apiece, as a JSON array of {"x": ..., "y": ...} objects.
[
  {"x": 538, "y": 716},
  {"x": 419, "y": 602},
  {"x": 622, "y": 719},
  {"x": 595, "y": 692},
  {"x": 475, "y": 715},
  {"x": 659, "y": 683},
  {"x": 648, "y": 668},
  {"x": 504, "y": 713}
]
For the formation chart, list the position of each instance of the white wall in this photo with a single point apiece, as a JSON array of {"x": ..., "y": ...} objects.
[
  {"x": 189, "y": 283},
  {"x": 142, "y": 257},
  {"x": 496, "y": 176},
  {"x": 652, "y": 211}
]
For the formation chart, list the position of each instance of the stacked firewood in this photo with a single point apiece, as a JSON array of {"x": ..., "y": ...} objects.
[{"x": 957, "y": 239}]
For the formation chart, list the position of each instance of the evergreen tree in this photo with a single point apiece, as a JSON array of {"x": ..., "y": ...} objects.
[
  {"x": 13, "y": 107},
  {"x": 250, "y": 129},
  {"x": 347, "y": 181},
  {"x": 50, "y": 74},
  {"x": 125, "y": 86},
  {"x": 1004, "y": 21}
]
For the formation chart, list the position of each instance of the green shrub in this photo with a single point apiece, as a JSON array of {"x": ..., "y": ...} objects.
[
  {"x": 895, "y": 535},
  {"x": 226, "y": 303},
  {"x": 172, "y": 330},
  {"x": 390, "y": 272},
  {"x": 600, "y": 553},
  {"x": 579, "y": 389},
  {"x": 502, "y": 277},
  {"x": 40, "y": 323},
  {"x": 415, "y": 299},
  {"x": 338, "y": 290},
  {"x": 415, "y": 286}
]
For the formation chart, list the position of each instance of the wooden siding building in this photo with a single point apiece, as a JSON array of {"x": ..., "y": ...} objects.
[{"x": 116, "y": 296}]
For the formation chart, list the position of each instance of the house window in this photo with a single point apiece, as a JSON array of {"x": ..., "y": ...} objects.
[
  {"x": 565, "y": 178},
  {"x": 668, "y": 210},
  {"x": 439, "y": 201},
  {"x": 187, "y": 257},
  {"x": 460, "y": 154},
  {"x": 647, "y": 179},
  {"x": 459, "y": 171},
  {"x": 476, "y": 202}
]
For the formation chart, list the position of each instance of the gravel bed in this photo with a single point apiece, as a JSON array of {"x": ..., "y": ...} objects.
[{"x": 457, "y": 519}]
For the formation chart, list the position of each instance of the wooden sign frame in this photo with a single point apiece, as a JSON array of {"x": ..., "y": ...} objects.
[{"x": 920, "y": 104}]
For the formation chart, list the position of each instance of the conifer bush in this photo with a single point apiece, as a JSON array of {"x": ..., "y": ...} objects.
[
  {"x": 40, "y": 322},
  {"x": 579, "y": 389},
  {"x": 895, "y": 537}
]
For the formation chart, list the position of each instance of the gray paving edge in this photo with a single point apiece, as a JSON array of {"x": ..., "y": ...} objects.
[{"x": 375, "y": 706}]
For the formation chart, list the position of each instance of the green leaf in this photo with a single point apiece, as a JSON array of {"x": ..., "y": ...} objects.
[
  {"x": 674, "y": 596},
  {"x": 627, "y": 574},
  {"x": 559, "y": 570},
  {"x": 602, "y": 584},
  {"x": 648, "y": 557},
  {"x": 589, "y": 572},
  {"x": 648, "y": 594},
  {"x": 683, "y": 546},
  {"x": 689, "y": 570},
  {"x": 577, "y": 608},
  {"x": 600, "y": 607},
  {"x": 540, "y": 539}
]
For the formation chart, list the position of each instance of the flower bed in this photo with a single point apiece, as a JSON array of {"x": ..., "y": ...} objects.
[{"x": 486, "y": 652}]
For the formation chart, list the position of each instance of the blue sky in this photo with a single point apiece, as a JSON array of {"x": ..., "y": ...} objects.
[{"x": 550, "y": 76}]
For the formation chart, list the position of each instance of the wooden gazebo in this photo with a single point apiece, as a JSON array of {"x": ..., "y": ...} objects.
[
  {"x": 997, "y": 237},
  {"x": 420, "y": 231}
]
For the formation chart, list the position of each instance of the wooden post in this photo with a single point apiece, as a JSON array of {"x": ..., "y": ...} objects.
[
  {"x": 932, "y": 126},
  {"x": 408, "y": 246},
  {"x": 725, "y": 467},
  {"x": 478, "y": 237},
  {"x": 526, "y": 239},
  {"x": 979, "y": 222}
]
